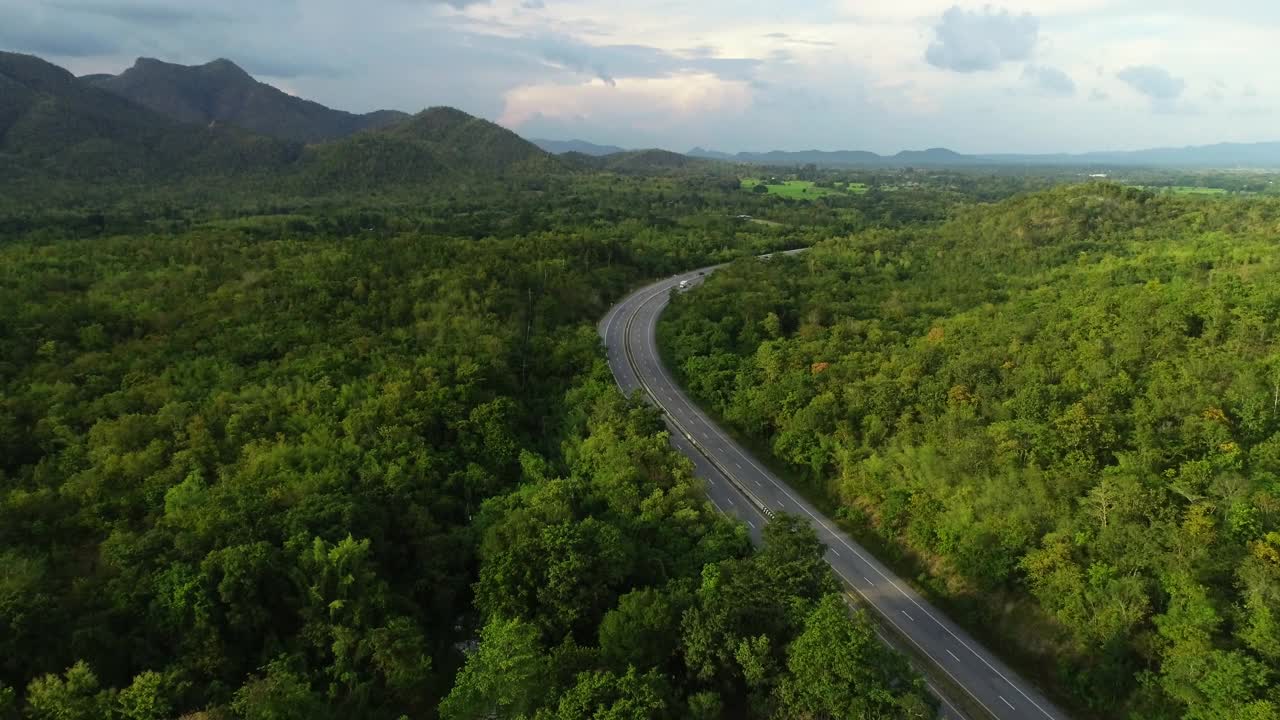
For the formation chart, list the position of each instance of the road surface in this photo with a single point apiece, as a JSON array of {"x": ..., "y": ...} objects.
[{"x": 740, "y": 485}]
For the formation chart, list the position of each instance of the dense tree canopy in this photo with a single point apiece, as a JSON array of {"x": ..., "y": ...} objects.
[
  {"x": 365, "y": 460},
  {"x": 1062, "y": 408}
]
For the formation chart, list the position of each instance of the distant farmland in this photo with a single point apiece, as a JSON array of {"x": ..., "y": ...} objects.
[
  {"x": 1184, "y": 189},
  {"x": 804, "y": 189}
]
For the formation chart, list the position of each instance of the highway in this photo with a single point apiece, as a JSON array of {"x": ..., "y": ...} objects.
[{"x": 740, "y": 485}]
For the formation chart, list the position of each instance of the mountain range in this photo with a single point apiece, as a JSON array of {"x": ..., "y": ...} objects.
[
  {"x": 561, "y": 147},
  {"x": 53, "y": 122},
  {"x": 158, "y": 121},
  {"x": 221, "y": 92},
  {"x": 1222, "y": 155}
]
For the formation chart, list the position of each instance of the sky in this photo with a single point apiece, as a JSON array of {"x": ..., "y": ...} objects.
[{"x": 880, "y": 75}]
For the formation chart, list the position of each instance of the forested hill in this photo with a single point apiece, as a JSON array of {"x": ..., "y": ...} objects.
[
  {"x": 435, "y": 147},
  {"x": 222, "y": 92},
  {"x": 637, "y": 161},
  {"x": 57, "y": 129},
  {"x": 1059, "y": 412},
  {"x": 461, "y": 139}
]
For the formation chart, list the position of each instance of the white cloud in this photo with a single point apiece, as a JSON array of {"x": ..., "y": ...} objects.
[
  {"x": 916, "y": 10},
  {"x": 647, "y": 104},
  {"x": 981, "y": 40},
  {"x": 1156, "y": 83},
  {"x": 1049, "y": 80}
]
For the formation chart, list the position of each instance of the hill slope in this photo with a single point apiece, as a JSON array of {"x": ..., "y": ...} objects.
[
  {"x": 642, "y": 161},
  {"x": 220, "y": 91},
  {"x": 635, "y": 162}
]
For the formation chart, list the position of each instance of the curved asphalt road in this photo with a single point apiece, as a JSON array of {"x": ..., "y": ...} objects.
[{"x": 740, "y": 485}]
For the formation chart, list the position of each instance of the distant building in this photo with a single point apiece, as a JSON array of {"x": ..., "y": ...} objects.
[{"x": 1098, "y": 175}]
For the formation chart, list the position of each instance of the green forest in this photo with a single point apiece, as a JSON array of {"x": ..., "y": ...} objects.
[
  {"x": 1060, "y": 414},
  {"x": 363, "y": 458}
]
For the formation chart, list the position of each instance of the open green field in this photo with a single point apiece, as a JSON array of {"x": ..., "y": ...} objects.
[{"x": 804, "y": 189}]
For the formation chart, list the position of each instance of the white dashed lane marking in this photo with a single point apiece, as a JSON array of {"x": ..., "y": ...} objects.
[{"x": 645, "y": 312}]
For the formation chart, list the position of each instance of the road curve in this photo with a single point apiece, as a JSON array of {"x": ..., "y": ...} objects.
[{"x": 740, "y": 485}]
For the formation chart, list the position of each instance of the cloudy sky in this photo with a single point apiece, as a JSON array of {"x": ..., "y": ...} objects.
[{"x": 882, "y": 75}]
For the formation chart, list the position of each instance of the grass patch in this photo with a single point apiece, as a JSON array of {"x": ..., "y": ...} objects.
[{"x": 856, "y": 188}]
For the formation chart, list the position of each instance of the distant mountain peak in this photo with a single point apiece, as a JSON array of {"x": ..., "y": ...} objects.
[
  {"x": 447, "y": 111},
  {"x": 221, "y": 68},
  {"x": 448, "y": 126},
  {"x": 442, "y": 115},
  {"x": 33, "y": 71},
  {"x": 434, "y": 121},
  {"x": 225, "y": 66},
  {"x": 561, "y": 147},
  {"x": 49, "y": 117},
  {"x": 934, "y": 152}
]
